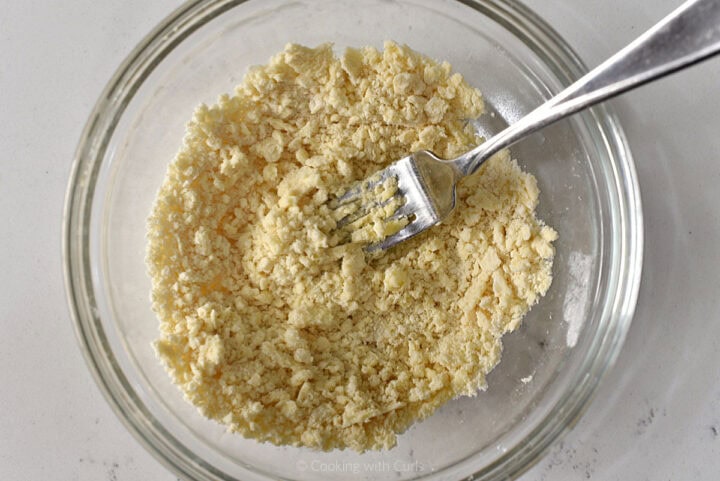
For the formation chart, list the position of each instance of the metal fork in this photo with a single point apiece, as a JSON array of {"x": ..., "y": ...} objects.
[{"x": 688, "y": 35}]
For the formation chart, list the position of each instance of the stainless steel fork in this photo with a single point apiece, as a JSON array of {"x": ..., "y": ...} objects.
[{"x": 688, "y": 35}]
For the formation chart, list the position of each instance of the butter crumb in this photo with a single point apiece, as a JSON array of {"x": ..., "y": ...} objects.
[{"x": 280, "y": 327}]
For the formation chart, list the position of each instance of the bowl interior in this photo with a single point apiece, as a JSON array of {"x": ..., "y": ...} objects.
[{"x": 542, "y": 361}]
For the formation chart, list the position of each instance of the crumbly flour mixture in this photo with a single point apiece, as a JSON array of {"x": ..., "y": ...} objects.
[{"x": 273, "y": 326}]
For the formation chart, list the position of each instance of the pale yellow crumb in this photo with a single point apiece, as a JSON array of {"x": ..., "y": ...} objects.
[
  {"x": 377, "y": 200},
  {"x": 272, "y": 326}
]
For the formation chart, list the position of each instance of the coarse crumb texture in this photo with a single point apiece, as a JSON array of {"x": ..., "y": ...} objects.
[{"x": 271, "y": 325}]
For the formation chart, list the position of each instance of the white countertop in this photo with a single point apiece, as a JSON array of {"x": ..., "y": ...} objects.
[{"x": 656, "y": 416}]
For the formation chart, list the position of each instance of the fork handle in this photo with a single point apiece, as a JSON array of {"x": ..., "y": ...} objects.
[{"x": 687, "y": 36}]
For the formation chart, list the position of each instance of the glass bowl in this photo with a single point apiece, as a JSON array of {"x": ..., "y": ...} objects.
[{"x": 589, "y": 194}]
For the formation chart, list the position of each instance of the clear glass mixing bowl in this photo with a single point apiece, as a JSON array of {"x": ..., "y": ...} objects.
[{"x": 551, "y": 365}]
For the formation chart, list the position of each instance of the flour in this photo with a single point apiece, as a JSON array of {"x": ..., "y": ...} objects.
[{"x": 274, "y": 324}]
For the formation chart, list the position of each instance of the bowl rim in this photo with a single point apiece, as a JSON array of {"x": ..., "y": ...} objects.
[{"x": 139, "y": 64}]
